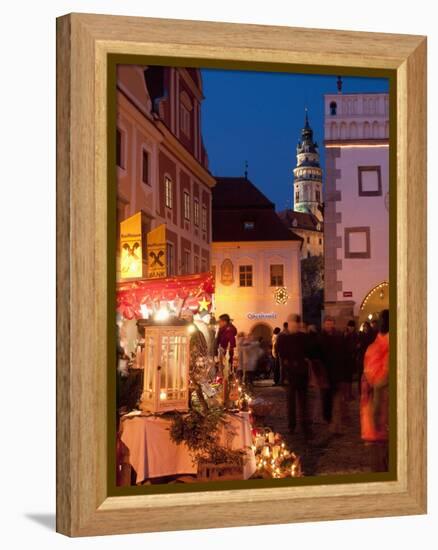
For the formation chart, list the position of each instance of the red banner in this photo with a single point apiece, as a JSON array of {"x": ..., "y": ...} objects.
[{"x": 193, "y": 292}]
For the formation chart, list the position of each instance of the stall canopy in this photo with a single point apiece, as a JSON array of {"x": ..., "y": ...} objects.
[{"x": 135, "y": 299}]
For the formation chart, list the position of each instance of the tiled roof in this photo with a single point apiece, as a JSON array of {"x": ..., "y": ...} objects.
[
  {"x": 304, "y": 220},
  {"x": 238, "y": 193},
  {"x": 242, "y": 213}
]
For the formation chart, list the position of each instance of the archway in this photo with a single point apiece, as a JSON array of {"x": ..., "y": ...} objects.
[
  {"x": 262, "y": 330},
  {"x": 373, "y": 303}
]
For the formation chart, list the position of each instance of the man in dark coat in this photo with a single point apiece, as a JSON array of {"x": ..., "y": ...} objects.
[
  {"x": 292, "y": 349},
  {"x": 333, "y": 357},
  {"x": 226, "y": 336},
  {"x": 351, "y": 340}
]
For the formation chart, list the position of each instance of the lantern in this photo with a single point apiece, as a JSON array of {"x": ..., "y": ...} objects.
[{"x": 166, "y": 367}]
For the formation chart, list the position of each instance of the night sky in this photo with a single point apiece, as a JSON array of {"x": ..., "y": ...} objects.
[{"x": 258, "y": 117}]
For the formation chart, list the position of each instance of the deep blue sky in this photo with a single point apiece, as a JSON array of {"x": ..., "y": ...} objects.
[{"x": 258, "y": 117}]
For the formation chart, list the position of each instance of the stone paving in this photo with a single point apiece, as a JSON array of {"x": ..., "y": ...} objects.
[{"x": 324, "y": 454}]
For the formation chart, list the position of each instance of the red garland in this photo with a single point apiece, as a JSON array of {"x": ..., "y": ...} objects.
[{"x": 132, "y": 295}]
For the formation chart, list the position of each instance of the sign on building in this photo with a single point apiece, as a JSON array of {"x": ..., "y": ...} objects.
[
  {"x": 156, "y": 251},
  {"x": 131, "y": 261}
]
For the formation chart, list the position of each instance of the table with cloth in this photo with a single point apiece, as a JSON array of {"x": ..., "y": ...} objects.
[{"x": 153, "y": 454}]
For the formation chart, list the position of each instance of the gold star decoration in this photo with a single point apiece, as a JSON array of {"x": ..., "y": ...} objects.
[{"x": 203, "y": 304}]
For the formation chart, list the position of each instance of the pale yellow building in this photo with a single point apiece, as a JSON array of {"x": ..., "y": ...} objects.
[{"x": 255, "y": 259}]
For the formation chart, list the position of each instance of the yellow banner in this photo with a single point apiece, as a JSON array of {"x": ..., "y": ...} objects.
[
  {"x": 131, "y": 265},
  {"x": 156, "y": 246}
]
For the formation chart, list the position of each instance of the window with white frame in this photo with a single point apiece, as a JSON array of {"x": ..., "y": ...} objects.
[
  {"x": 245, "y": 275},
  {"x": 186, "y": 205},
  {"x": 168, "y": 185},
  {"x": 196, "y": 212},
  {"x": 277, "y": 274}
]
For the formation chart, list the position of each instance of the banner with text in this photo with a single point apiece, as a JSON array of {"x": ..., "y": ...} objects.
[{"x": 131, "y": 264}]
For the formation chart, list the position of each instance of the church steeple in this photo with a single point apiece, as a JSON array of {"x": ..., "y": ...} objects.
[{"x": 308, "y": 173}]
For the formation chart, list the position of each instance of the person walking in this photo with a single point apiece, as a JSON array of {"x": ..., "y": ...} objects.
[
  {"x": 275, "y": 357},
  {"x": 225, "y": 339},
  {"x": 318, "y": 381},
  {"x": 374, "y": 402},
  {"x": 366, "y": 337},
  {"x": 292, "y": 351},
  {"x": 251, "y": 353},
  {"x": 351, "y": 340},
  {"x": 333, "y": 358}
]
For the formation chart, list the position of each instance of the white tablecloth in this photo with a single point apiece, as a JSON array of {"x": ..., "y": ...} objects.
[{"x": 153, "y": 454}]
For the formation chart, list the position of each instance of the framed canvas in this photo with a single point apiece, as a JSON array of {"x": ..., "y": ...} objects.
[{"x": 96, "y": 55}]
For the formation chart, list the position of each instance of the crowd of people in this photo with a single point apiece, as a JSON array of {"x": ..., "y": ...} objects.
[{"x": 339, "y": 365}]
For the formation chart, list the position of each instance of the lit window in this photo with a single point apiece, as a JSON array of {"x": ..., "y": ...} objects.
[
  {"x": 168, "y": 192},
  {"x": 186, "y": 206},
  {"x": 196, "y": 212},
  {"x": 277, "y": 278},
  {"x": 245, "y": 275},
  {"x": 204, "y": 218},
  {"x": 248, "y": 225}
]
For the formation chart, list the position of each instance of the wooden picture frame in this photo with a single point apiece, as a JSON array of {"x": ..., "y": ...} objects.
[{"x": 84, "y": 43}]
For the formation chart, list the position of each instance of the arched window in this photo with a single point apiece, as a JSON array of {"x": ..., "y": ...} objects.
[
  {"x": 366, "y": 130},
  {"x": 353, "y": 130},
  {"x": 343, "y": 131},
  {"x": 333, "y": 108},
  {"x": 334, "y": 131},
  {"x": 375, "y": 129}
]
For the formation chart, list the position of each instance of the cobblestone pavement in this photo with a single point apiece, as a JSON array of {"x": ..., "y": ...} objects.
[{"x": 324, "y": 454}]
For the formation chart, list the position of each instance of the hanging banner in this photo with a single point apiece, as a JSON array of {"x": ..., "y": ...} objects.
[
  {"x": 188, "y": 293},
  {"x": 131, "y": 264},
  {"x": 156, "y": 250}
]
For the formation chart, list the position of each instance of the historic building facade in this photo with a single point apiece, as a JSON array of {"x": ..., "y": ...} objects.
[
  {"x": 306, "y": 218},
  {"x": 162, "y": 165},
  {"x": 255, "y": 259},
  {"x": 356, "y": 220}
]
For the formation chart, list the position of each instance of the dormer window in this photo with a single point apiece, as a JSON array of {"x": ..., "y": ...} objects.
[{"x": 248, "y": 225}]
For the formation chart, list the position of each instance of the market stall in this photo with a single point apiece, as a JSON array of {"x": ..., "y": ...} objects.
[{"x": 186, "y": 415}]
